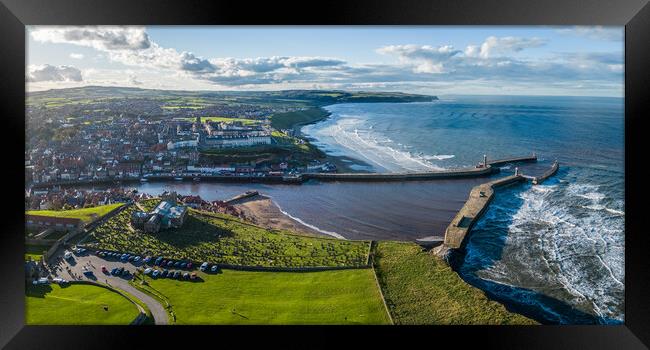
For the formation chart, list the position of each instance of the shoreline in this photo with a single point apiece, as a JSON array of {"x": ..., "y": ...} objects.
[
  {"x": 342, "y": 163},
  {"x": 263, "y": 211}
]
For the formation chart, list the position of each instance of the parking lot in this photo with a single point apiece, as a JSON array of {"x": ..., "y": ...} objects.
[{"x": 74, "y": 268}]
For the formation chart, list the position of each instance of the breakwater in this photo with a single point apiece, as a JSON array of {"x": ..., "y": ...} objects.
[
  {"x": 479, "y": 198},
  {"x": 476, "y": 204},
  {"x": 539, "y": 179},
  {"x": 485, "y": 168}
]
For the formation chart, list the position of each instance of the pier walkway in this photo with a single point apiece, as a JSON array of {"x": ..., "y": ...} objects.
[
  {"x": 484, "y": 168},
  {"x": 476, "y": 204},
  {"x": 478, "y": 201},
  {"x": 480, "y": 170}
]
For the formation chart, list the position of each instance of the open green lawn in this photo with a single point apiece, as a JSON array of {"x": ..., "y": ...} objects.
[
  {"x": 421, "y": 289},
  {"x": 244, "y": 297},
  {"x": 85, "y": 214},
  {"x": 76, "y": 304},
  {"x": 220, "y": 238}
]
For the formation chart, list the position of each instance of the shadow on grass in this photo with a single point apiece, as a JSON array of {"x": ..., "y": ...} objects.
[
  {"x": 38, "y": 291},
  {"x": 193, "y": 232}
]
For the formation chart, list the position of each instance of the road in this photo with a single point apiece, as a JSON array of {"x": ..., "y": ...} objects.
[{"x": 94, "y": 263}]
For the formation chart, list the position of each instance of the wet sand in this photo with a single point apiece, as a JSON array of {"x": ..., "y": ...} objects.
[{"x": 262, "y": 211}]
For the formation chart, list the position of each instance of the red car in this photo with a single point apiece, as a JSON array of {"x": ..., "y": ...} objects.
[{"x": 104, "y": 270}]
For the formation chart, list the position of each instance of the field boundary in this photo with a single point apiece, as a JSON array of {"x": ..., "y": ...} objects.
[{"x": 373, "y": 246}]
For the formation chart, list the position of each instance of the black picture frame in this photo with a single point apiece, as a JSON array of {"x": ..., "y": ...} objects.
[{"x": 634, "y": 14}]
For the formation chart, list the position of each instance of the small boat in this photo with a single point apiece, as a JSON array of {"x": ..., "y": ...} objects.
[
  {"x": 196, "y": 179},
  {"x": 178, "y": 178},
  {"x": 143, "y": 180}
]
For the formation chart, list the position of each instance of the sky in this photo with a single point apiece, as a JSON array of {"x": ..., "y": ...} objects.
[{"x": 434, "y": 60}]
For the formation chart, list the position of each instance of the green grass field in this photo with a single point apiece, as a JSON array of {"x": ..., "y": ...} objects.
[
  {"x": 76, "y": 305},
  {"x": 220, "y": 238},
  {"x": 421, "y": 289},
  {"x": 85, "y": 214},
  {"x": 244, "y": 297}
]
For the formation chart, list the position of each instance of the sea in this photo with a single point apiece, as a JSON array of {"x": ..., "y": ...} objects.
[{"x": 554, "y": 252}]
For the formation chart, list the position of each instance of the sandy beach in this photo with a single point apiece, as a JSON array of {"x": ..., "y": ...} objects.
[{"x": 262, "y": 211}]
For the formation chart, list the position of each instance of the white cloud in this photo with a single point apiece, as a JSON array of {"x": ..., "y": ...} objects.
[
  {"x": 102, "y": 38},
  {"x": 595, "y": 32},
  {"x": 493, "y": 61},
  {"x": 499, "y": 46},
  {"x": 427, "y": 59},
  {"x": 46, "y": 72},
  {"x": 76, "y": 56}
]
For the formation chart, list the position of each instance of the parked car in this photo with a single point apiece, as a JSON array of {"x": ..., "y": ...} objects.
[
  {"x": 120, "y": 270},
  {"x": 177, "y": 274},
  {"x": 164, "y": 273},
  {"x": 158, "y": 260},
  {"x": 163, "y": 263},
  {"x": 214, "y": 268},
  {"x": 67, "y": 254},
  {"x": 204, "y": 266},
  {"x": 183, "y": 265},
  {"x": 147, "y": 271},
  {"x": 170, "y": 263},
  {"x": 131, "y": 257},
  {"x": 88, "y": 273},
  {"x": 189, "y": 265},
  {"x": 177, "y": 264},
  {"x": 114, "y": 271},
  {"x": 125, "y": 272},
  {"x": 193, "y": 276},
  {"x": 186, "y": 275},
  {"x": 124, "y": 257},
  {"x": 136, "y": 259},
  {"x": 147, "y": 259},
  {"x": 155, "y": 273},
  {"x": 104, "y": 270}
]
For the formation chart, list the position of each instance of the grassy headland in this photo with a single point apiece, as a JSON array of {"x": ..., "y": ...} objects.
[
  {"x": 420, "y": 288},
  {"x": 220, "y": 238},
  {"x": 289, "y": 120},
  {"x": 244, "y": 297}
]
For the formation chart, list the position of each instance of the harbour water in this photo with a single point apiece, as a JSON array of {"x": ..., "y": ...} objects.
[{"x": 554, "y": 252}]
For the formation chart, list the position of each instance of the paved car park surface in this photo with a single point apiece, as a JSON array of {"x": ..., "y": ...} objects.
[{"x": 73, "y": 269}]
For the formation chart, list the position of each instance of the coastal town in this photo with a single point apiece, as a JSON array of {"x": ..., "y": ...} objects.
[
  {"x": 134, "y": 149},
  {"x": 86, "y": 222}
]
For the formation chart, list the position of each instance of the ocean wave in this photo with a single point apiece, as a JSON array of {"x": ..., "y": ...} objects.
[
  {"x": 353, "y": 133},
  {"x": 439, "y": 157},
  {"x": 570, "y": 253}
]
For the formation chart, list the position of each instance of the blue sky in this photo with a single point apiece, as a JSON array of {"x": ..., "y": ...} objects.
[{"x": 435, "y": 60}]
